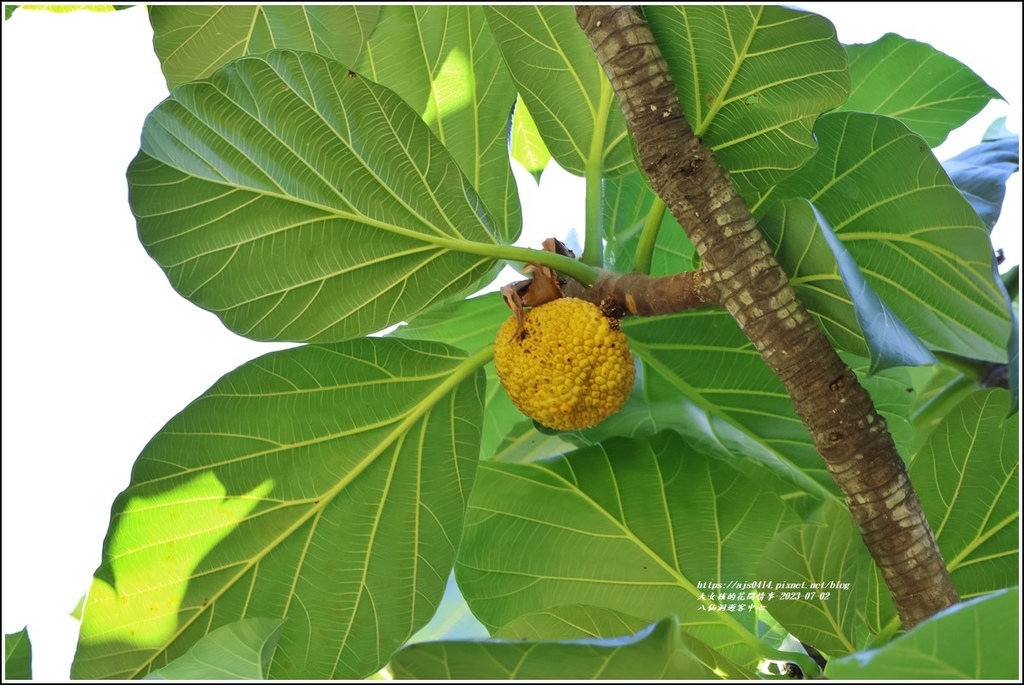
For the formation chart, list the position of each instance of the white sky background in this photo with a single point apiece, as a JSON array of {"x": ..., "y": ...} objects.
[{"x": 98, "y": 350}]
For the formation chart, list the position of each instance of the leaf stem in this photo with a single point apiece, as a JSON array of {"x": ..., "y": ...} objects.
[
  {"x": 593, "y": 250},
  {"x": 648, "y": 237},
  {"x": 584, "y": 273}
]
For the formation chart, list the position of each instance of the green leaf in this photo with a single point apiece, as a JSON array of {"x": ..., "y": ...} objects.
[
  {"x": 560, "y": 80},
  {"x": 443, "y": 61},
  {"x": 527, "y": 146},
  {"x": 63, "y": 9},
  {"x": 832, "y": 287},
  {"x": 76, "y": 613},
  {"x": 237, "y": 651},
  {"x": 525, "y": 443},
  {"x": 752, "y": 80},
  {"x": 704, "y": 356},
  {"x": 576, "y": 621},
  {"x": 626, "y": 526},
  {"x": 193, "y": 41},
  {"x": 917, "y": 241},
  {"x": 981, "y": 172},
  {"x": 323, "y": 484},
  {"x": 627, "y": 201},
  {"x": 571, "y": 622},
  {"x": 655, "y": 653},
  {"x": 975, "y": 640},
  {"x": 17, "y": 655},
  {"x": 927, "y": 90},
  {"x": 818, "y": 573},
  {"x": 938, "y": 390},
  {"x": 472, "y": 325},
  {"x": 306, "y": 203},
  {"x": 967, "y": 476}
]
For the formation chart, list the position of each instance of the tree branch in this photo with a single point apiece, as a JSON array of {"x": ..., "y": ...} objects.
[{"x": 839, "y": 414}]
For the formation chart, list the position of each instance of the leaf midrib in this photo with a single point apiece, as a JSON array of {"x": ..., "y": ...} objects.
[{"x": 463, "y": 371}]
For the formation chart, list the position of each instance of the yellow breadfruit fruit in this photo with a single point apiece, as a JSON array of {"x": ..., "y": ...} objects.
[{"x": 570, "y": 368}]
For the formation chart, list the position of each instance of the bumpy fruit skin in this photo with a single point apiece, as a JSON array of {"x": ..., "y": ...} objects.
[{"x": 570, "y": 369}]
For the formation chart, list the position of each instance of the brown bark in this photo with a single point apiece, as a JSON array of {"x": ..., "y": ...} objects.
[
  {"x": 644, "y": 295},
  {"x": 847, "y": 431}
]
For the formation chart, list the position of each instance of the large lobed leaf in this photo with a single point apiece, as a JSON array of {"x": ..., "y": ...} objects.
[
  {"x": 655, "y": 653},
  {"x": 560, "y": 80},
  {"x": 472, "y": 325},
  {"x": 976, "y": 640},
  {"x": 819, "y": 589},
  {"x": 322, "y": 484},
  {"x": 445, "y": 64},
  {"x": 193, "y": 41},
  {"x": 833, "y": 289},
  {"x": 918, "y": 242},
  {"x": 927, "y": 90},
  {"x": 967, "y": 475},
  {"x": 299, "y": 201},
  {"x": 633, "y": 526},
  {"x": 579, "y": 621},
  {"x": 704, "y": 356},
  {"x": 752, "y": 80}
]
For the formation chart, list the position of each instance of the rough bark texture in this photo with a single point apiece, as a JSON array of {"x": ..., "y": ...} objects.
[{"x": 839, "y": 414}]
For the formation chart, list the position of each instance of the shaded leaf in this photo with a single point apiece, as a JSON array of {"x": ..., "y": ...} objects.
[
  {"x": 525, "y": 442},
  {"x": 974, "y": 640},
  {"x": 527, "y": 146},
  {"x": 443, "y": 61},
  {"x": 997, "y": 129},
  {"x": 323, "y": 484},
  {"x": 657, "y": 652},
  {"x": 237, "y": 651},
  {"x": 752, "y": 80},
  {"x": 967, "y": 476},
  {"x": 927, "y": 90},
  {"x": 626, "y": 203},
  {"x": 17, "y": 655},
  {"x": 1013, "y": 344},
  {"x": 472, "y": 325},
  {"x": 817, "y": 573},
  {"x": 704, "y": 356},
  {"x": 626, "y": 526},
  {"x": 918, "y": 243},
  {"x": 564, "y": 87},
  {"x": 571, "y": 622},
  {"x": 307, "y": 204},
  {"x": 981, "y": 172},
  {"x": 193, "y": 41},
  {"x": 576, "y": 621},
  {"x": 937, "y": 393},
  {"x": 833, "y": 289}
]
